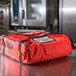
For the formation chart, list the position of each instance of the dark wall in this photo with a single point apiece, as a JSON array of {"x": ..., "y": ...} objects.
[{"x": 4, "y": 1}]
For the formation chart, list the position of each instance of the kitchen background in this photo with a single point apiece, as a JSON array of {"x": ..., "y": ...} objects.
[{"x": 54, "y": 16}]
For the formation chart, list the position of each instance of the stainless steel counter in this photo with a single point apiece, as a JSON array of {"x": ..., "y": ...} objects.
[{"x": 61, "y": 67}]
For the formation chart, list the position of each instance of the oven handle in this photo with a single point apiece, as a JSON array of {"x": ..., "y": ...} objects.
[{"x": 23, "y": 14}]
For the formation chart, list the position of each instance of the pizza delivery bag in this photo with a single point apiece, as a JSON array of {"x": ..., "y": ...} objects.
[{"x": 34, "y": 47}]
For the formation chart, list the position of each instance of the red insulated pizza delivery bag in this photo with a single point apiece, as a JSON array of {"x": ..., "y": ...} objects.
[{"x": 35, "y": 47}]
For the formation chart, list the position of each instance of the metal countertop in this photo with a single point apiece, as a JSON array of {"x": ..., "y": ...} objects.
[{"x": 65, "y": 66}]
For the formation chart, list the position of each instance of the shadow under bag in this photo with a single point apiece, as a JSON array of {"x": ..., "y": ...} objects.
[{"x": 35, "y": 47}]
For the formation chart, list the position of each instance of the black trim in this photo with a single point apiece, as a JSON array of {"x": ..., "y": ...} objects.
[
  {"x": 4, "y": 47},
  {"x": 20, "y": 52},
  {"x": 25, "y": 40},
  {"x": 72, "y": 43},
  {"x": 27, "y": 52}
]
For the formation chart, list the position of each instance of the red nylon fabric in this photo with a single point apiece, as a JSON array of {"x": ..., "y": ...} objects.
[{"x": 37, "y": 52}]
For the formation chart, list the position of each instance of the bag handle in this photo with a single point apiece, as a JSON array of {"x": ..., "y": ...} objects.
[
  {"x": 40, "y": 34},
  {"x": 35, "y": 36}
]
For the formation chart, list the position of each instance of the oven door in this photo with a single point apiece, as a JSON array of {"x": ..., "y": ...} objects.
[{"x": 35, "y": 13}]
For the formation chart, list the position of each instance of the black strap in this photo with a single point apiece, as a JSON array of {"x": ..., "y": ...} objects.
[
  {"x": 25, "y": 40},
  {"x": 20, "y": 52},
  {"x": 4, "y": 47},
  {"x": 34, "y": 34},
  {"x": 26, "y": 50},
  {"x": 72, "y": 43}
]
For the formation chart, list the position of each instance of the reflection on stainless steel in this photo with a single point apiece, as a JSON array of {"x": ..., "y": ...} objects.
[
  {"x": 67, "y": 18},
  {"x": 33, "y": 10},
  {"x": 60, "y": 67},
  {"x": 36, "y": 12},
  {"x": 69, "y": 9},
  {"x": 4, "y": 19},
  {"x": 16, "y": 12}
]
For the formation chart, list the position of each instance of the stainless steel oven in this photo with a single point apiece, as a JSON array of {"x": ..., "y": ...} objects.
[
  {"x": 4, "y": 20},
  {"x": 30, "y": 13}
]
